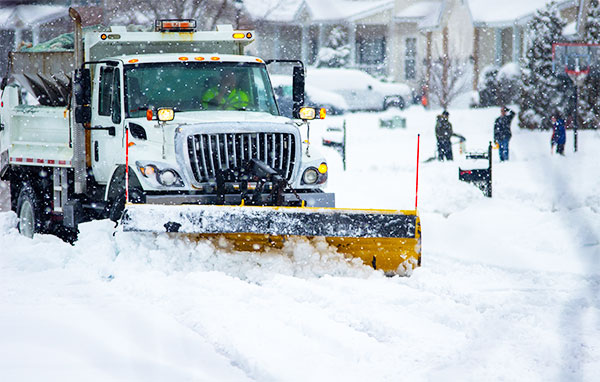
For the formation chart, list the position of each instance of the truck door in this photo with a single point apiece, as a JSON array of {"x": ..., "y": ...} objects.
[{"x": 107, "y": 145}]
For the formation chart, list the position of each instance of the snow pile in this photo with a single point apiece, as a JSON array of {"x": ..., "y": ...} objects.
[{"x": 508, "y": 288}]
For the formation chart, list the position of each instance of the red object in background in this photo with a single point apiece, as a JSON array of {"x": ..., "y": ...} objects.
[{"x": 417, "y": 187}]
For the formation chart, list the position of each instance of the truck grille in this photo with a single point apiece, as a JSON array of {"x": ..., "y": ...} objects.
[{"x": 211, "y": 152}]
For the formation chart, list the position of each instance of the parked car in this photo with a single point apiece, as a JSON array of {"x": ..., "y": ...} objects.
[
  {"x": 313, "y": 97},
  {"x": 360, "y": 90}
]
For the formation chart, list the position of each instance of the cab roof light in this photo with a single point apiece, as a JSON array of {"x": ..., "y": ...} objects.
[
  {"x": 175, "y": 25},
  {"x": 238, "y": 35}
]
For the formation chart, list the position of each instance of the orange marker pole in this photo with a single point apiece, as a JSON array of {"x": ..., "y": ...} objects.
[
  {"x": 417, "y": 187},
  {"x": 126, "y": 165}
]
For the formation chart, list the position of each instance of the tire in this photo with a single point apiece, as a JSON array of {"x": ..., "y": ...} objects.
[
  {"x": 117, "y": 206},
  {"x": 30, "y": 212},
  {"x": 116, "y": 209},
  {"x": 397, "y": 102}
]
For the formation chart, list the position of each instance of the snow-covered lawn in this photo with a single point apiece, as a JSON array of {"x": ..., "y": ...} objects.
[{"x": 509, "y": 288}]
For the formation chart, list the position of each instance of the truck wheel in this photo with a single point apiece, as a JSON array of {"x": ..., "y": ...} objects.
[
  {"x": 116, "y": 209},
  {"x": 118, "y": 205},
  {"x": 30, "y": 212}
]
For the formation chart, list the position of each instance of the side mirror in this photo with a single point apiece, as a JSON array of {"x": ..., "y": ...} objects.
[
  {"x": 82, "y": 90},
  {"x": 83, "y": 114},
  {"x": 297, "y": 90}
]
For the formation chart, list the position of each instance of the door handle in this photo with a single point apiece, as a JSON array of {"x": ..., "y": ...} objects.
[{"x": 111, "y": 129}]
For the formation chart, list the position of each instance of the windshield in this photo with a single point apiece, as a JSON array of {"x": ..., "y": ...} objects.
[{"x": 194, "y": 86}]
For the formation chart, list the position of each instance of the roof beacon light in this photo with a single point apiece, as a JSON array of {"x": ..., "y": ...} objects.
[
  {"x": 238, "y": 35},
  {"x": 175, "y": 25}
]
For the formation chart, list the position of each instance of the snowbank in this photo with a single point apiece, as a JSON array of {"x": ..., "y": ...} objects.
[{"x": 507, "y": 289}]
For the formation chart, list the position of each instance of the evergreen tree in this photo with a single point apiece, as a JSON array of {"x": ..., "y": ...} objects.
[
  {"x": 336, "y": 53},
  {"x": 542, "y": 93},
  {"x": 588, "y": 97}
]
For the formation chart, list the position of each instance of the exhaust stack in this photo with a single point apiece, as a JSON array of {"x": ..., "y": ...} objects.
[{"x": 78, "y": 160}]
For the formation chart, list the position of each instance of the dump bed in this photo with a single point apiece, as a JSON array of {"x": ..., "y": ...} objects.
[{"x": 46, "y": 75}]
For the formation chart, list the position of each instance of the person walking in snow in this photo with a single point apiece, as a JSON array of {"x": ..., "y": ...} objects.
[
  {"x": 502, "y": 133},
  {"x": 443, "y": 132},
  {"x": 559, "y": 134}
]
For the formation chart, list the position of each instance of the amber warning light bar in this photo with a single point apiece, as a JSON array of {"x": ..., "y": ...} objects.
[{"x": 178, "y": 25}]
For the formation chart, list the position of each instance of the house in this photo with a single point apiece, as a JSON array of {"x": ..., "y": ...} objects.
[
  {"x": 296, "y": 29},
  {"x": 434, "y": 44},
  {"x": 500, "y": 29},
  {"x": 402, "y": 39}
]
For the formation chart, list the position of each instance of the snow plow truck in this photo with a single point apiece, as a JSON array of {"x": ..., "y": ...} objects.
[{"x": 176, "y": 131}]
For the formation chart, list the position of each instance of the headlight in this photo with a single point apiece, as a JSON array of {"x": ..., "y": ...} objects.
[
  {"x": 167, "y": 177},
  {"x": 310, "y": 176}
]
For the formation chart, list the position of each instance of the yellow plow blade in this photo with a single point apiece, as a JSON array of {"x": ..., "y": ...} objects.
[{"x": 389, "y": 240}]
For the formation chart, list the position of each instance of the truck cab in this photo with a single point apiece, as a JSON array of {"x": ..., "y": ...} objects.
[{"x": 220, "y": 113}]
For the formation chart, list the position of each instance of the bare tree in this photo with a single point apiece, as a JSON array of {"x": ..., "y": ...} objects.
[
  {"x": 207, "y": 13},
  {"x": 446, "y": 76},
  {"x": 449, "y": 78}
]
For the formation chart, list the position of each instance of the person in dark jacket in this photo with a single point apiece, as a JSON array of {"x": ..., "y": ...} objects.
[
  {"x": 502, "y": 133},
  {"x": 559, "y": 134},
  {"x": 443, "y": 132}
]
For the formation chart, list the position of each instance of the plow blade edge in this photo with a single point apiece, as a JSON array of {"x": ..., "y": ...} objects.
[{"x": 389, "y": 240}]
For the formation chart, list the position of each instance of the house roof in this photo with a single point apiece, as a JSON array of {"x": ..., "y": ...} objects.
[
  {"x": 419, "y": 10},
  {"x": 27, "y": 16},
  {"x": 427, "y": 14},
  {"x": 319, "y": 10},
  {"x": 507, "y": 12}
]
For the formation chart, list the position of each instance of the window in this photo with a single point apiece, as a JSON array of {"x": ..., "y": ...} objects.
[
  {"x": 371, "y": 51},
  {"x": 106, "y": 90},
  {"x": 116, "y": 97},
  {"x": 410, "y": 59},
  {"x": 187, "y": 86}
]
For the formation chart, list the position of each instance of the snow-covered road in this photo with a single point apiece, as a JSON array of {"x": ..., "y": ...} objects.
[{"x": 509, "y": 288}]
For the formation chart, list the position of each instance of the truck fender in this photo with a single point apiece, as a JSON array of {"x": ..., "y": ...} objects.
[{"x": 116, "y": 186}]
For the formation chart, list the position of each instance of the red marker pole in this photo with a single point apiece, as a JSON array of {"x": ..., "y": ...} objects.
[
  {"x": 417, "y": 187},
  {"x": 126, "y": 165}
]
